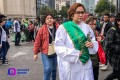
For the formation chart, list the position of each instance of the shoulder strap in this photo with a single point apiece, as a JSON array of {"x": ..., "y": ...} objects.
[{"x": 51, "y": 33}]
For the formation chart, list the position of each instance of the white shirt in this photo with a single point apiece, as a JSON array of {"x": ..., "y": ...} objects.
[
  {"x": 103, "y": 27},
  {"x": 18, "y": 27},
  {"x": 70, "y": 67},
  {"x": 4, "y": 36}
]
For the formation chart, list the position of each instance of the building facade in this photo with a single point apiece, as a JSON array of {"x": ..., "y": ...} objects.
[
  {"x": 60, "y": 3},
  {"x": 89, "y": 5},
  {"x": 72, "y": 1},
  {"x": 118, "y": 5},
  {"x": 51, "y": 3},
  {"x": 18, "y": 8},
  {"x": 92, "y": 6}
]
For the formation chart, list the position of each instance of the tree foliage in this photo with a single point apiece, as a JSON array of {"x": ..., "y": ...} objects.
[
  {"x": 104, "y": 6},
  {"x": 63, "y": 12},
  {"x": 45, "y": 9}
]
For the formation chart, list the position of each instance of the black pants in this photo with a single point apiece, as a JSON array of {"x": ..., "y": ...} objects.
[
  {"x": 114, "y": 74},
  {"x": 17, "y": 38},
  {"x": 31, "y": 36},
  {"x": 95, "y": 72}
]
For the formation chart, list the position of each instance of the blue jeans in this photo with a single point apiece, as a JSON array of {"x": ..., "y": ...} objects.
[
  {"x": 5, "y": 47},
  {"x": 50, "y": 66}
]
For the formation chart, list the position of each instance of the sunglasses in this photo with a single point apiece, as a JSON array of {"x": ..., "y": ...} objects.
[{"x": 79, "y": 12}]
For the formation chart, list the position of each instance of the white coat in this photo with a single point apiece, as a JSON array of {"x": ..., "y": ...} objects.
[{"x": 69, "y": 65}]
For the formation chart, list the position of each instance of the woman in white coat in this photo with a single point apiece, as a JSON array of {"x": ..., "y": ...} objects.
[{"x": 74, "y": 42}]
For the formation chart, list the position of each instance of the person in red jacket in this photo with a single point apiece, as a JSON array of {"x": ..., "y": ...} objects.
[
  {"x": 31, "y": 31},
  {"x": 45, "y": 37}
]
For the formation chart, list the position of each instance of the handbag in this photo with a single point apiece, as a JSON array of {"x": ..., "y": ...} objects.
[
  {"x": 101, "y": 54},
  {"x": 51, "y": 50}
]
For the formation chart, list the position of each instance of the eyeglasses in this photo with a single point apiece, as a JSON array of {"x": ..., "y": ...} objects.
[{"x": 79, "y": 12}]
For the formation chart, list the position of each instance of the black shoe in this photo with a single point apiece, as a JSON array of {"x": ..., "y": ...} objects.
[
  {"x": 18, "y": 45},
  {"x": 15, "y": 44},
  {"x": 5, "y": 60}
]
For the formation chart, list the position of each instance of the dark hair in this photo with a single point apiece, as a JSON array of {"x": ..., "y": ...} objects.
[
  {"x": 31, "y": 21},
  {"x": 89, "y": 19},
  {"x": 73, "y": 8},
  {"x": 0, "y": 20},
  {"x": 2, "y": 16},
  {"x": 117, "y": 18},
  {"x": 90, "y": 14},
  {"x": 43, "y": 21},
  {"x": 37, "y": 18},
  {"x": 112, "y": 16},
  {"x": 107, "y": 14}
]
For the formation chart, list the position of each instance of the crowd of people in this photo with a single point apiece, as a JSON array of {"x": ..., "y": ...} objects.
[
  {"x": 76, "y": 44},
  {"x": 72, "y": 46},
  {"x": 19, "y": 29}
]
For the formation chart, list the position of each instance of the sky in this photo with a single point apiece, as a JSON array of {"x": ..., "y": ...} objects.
[{"x": 78, "y": 0}]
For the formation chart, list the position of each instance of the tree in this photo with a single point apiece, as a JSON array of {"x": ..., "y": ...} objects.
[
  {"x": 63, "y": 11},
  {"x": 45, "y": 9},
  {"x": 104, "y": 6}
]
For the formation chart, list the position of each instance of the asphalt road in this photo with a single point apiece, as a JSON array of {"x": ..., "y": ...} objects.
[{"x": 21, "y": 60}]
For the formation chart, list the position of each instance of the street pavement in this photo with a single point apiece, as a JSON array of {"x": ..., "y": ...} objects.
[{"x": 21, "y": 58}]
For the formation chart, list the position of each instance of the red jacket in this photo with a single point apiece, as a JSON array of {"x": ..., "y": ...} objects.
[
  {"x": 42, "y": 40},
  {"x": 31, "y": 27}
]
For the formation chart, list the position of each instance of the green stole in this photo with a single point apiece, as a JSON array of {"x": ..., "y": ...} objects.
[{"x": 78, "y": 39}]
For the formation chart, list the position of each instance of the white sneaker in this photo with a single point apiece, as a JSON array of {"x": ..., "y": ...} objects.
[
  {"x": 104, "y": 68},
  {"x": 5, "y": 64}
]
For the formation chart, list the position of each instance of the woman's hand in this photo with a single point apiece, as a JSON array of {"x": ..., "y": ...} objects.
[
  {"x": 99, "y": 38},
  {"x": 102, "y": 37},
  {"x": 89, "y": 44},
  {"x": 80, "y": 53},
  {"x": 35, "y": 57}
]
